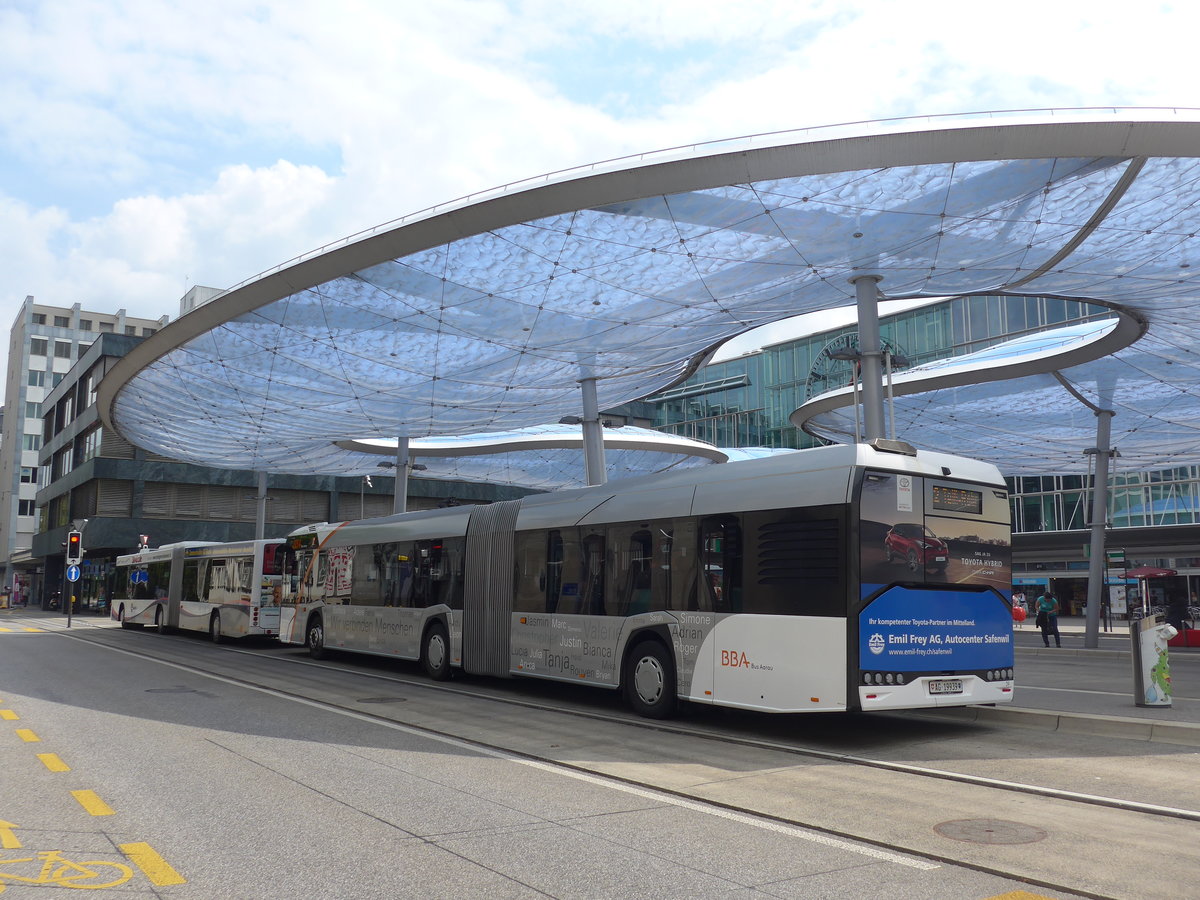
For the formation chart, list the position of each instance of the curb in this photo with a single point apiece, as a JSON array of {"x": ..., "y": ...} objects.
[{"x": 1186, "y": 734}]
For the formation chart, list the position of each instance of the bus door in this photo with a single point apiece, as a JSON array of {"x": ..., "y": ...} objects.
[{"x": 270, "y": 588}]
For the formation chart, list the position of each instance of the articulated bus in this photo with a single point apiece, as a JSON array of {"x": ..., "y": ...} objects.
[
  {"x": 866, "y": 577},
  {"x": 228, "y": 590}
]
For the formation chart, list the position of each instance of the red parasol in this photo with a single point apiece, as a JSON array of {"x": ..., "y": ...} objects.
[{"x": 1150, "y": 572}]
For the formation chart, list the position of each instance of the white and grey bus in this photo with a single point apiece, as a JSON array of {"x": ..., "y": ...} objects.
[
  {"x": 141, "y": 585},
  {"x": 779, "y": 584},
  {"x": 228, "y": 590}
]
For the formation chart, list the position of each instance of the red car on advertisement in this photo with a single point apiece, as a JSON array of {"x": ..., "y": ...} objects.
[{"x": 916, "y": 546}]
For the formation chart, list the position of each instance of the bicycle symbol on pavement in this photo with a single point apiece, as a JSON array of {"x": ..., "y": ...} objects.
[{"x": 57, "y": 869}]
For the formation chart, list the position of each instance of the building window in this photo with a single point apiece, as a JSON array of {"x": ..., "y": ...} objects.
[
  {"x": 106, "y": 326},
  {"x": 37, "y": 347},
  {"x": 62, "y": 349},
  {"x": 33, "y": 410},
  {"x": 62, "y": 321},
  {"x": 146, "y": 332},
  {"x": 131, "y": 330},
  {"x": 39, "y": 318},
  {"x": 85, "y": 324},
  {"x": 37, "y": 378},
  {"x": 57, "y": 377},
  {"x": 28, "y": 475},
  {"x": 31, "y": 441},
  {"x": 26, "y": 508}
]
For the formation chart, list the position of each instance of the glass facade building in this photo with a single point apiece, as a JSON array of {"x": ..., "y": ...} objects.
[{"x": 747, "y": 401}]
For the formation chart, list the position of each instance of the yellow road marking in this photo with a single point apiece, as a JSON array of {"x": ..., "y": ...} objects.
[
  {"x": 27, "y": 736},
  {"x": 1020, "y": 895},
  {"x": 5, "y": 629},
  {"x": 153, "y": 866},
  {"x": 34, "y": 630},
  {"x": 9, "y": 715},
  {"x": 92, "y": 803},
  {"x": 8, "y": 840},
  {"x": 53, "y": 763}
]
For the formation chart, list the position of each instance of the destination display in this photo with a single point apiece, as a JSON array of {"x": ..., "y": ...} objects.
[{"x": 956, "y": 499}]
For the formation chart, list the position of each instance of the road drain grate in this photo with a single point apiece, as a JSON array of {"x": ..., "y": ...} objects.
[{"x": 990, "y": 831}]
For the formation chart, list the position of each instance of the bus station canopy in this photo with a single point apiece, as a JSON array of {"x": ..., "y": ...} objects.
[{"x": 483, "y": 315}]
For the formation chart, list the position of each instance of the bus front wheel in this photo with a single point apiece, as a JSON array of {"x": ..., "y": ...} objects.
[
  {"x": 650, "y": 681},
  {"x": 435, "y": 652},
  {"x": 160, "y": 621},
  {"x": 121, "y": 616},
  {"x": 315, "y": 638},
  {"x": 214, "y": 628}
]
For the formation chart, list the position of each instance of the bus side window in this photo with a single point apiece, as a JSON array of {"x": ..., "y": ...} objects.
[
  {"x": 721, "y": 558},
  {"x": 631, "y": 559},
  {"x": 592, "y": 593},
  {"x": 531, "y": 589}
]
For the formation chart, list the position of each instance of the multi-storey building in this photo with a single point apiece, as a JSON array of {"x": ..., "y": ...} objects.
[
  {"x": 1154, "y": 516},
  {"x": 45, "y": 342}
]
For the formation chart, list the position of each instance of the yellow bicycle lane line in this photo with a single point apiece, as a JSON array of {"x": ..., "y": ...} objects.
[{"x": 151, "y": 863}]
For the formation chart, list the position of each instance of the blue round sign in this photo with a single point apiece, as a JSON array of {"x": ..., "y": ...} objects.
[{"x": 72, "y": 573}]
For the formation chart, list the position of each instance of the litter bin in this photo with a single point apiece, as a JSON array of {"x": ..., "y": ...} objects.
[{"x": 1151, "y": 668}]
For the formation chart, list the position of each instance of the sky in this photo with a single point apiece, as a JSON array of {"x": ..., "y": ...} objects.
[{"x": 147, "y": 147}]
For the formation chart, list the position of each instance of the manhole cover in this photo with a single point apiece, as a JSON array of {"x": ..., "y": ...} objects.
[
  {"x": 171, "y": 690},
  {"x": 990, "y": 831},
  {"x": 383, "y": 700}
]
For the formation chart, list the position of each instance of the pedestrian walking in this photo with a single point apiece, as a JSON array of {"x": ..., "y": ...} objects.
[{"x": 1047, "y": 618}]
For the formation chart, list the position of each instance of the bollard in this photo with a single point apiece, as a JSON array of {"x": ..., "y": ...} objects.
[{"x": 1151, "y": 667}]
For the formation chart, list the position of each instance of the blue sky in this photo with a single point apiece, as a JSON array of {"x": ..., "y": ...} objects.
[{"x": 150, "y": 146}]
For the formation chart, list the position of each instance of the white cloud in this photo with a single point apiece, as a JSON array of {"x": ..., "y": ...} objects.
[{"x": 146, "y": 146}]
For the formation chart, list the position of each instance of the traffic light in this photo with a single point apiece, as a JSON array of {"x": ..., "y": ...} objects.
[{"x": 74, "y": 548}]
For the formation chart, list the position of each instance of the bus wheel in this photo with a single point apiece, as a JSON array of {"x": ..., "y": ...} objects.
[
  {"x": 650, "y": 681},
  {"x": 435, "y": 652},
  {"x": 315, "y": 638},
  {"x": 214, "y": 628},
  {"x": 160, "y": 621},
  {"x": 121, "y": 616}
]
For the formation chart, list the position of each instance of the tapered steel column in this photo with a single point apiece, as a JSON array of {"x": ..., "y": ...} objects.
[
  {"x": 593, "y": 434},
  {"x": 260, "y": 508},
  {"x": 1096, "y": 561},
  {"x": 869, "y": 348},
  {"x": 403, "y": 461}
]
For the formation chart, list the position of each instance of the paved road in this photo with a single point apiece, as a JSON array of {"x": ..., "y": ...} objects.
[{"x": 201, "y": 787}]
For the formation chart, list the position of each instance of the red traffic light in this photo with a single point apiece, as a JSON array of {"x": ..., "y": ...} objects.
[{"x": 74, "y": 548}]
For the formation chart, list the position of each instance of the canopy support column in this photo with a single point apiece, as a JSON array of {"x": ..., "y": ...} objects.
[
  {"x": 260, "y": 508},
  {"x": 867, "y": 293},
  {"x": 402, "y": 464},
  {"x": 1096, "y": 560},
  {"x": 593, "y": 434}
]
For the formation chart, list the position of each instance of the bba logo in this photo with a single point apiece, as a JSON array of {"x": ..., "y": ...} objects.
[{"x": 734, "y": 659}]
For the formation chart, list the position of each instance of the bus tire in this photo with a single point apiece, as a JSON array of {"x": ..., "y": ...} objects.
[
  {"x": 435, "y": 652},
  {"x": 214, "y": 629},
  {"x": 314, "y": 637},
  {"x": 649, "y": 681},
  {"x": 121, "y": 616},
  {"x": 160, "y": 621}
]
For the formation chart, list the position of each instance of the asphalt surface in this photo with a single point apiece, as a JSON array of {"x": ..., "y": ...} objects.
[{"x": 1071, "y": 689}]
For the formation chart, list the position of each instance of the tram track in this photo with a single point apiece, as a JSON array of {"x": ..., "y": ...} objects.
[{"x": 982, "y": 793}]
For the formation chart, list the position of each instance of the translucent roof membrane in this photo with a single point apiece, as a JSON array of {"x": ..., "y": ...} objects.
[{"x": 483, "y": 316}]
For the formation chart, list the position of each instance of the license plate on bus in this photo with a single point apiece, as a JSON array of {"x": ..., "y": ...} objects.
[{"x": 946, "y": 686}]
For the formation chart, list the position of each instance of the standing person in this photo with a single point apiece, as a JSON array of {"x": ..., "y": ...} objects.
[
  {"x": 1019, "y": 603},
  {"x": 1047, "y": 618}
]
